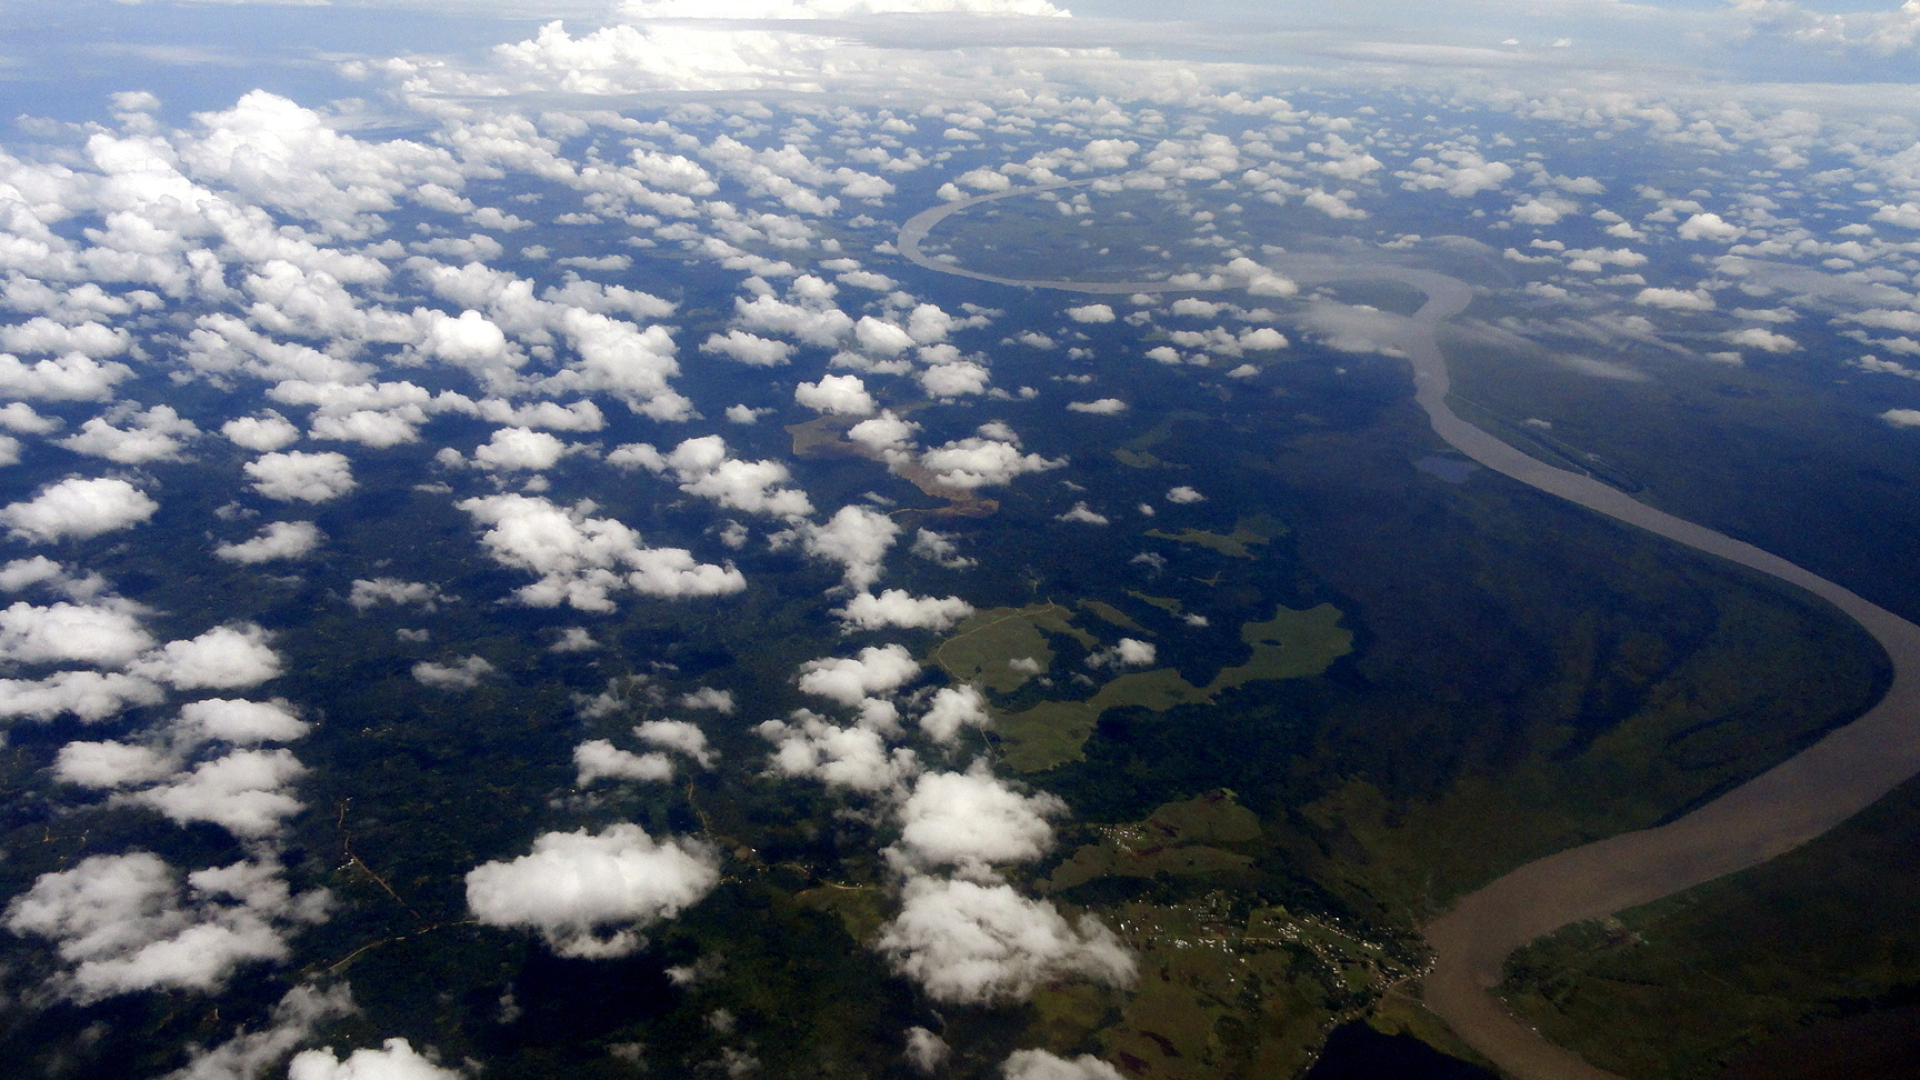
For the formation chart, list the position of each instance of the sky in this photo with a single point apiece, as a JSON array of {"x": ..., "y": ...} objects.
[
  {"x": 62, "y": 58},
  {"x": 304, "y": 255}
]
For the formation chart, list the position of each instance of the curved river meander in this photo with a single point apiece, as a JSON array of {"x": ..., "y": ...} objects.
[{"x": 1774, "y": 812}]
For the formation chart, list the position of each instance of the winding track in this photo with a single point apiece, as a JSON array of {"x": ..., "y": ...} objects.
[{"x": 1778, "y": 810}]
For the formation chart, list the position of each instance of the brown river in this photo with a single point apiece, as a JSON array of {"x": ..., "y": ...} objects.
[{"x": 1768, "y": 815}]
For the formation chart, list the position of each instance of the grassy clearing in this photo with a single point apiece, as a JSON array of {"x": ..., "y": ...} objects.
[
  {"x": 1109, "y": 613},
  {"x": 1291, "y": 645},
  {"x": 1164, "y": 603},
  {"x": 861, "y": 909},
  {"x": 984, "y": 649},
  {"x": 1255, "y": 530},
  {"x": 1234, "y": 545},
  {"x": 1176, "y": 839}
]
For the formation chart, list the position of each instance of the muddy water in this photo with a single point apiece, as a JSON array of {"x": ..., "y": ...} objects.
[{"x": 1776, "y": 811}]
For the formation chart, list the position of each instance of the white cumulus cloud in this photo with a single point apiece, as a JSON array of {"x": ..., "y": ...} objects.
[
  {"x": 1041, "y": 1065},
  {"x": 590, "y": 895},
  {"x": 73, "y": 377},
  {"x": 877, "y": 669},
  {"x": 243, "y": 792},
  {"x": 843, "y": 394},
  {"x": 971, "y": 943},
  {"x": 989, "y": 459},
  {"x": 1755, "y": 337},
  {"x": 297, "y": 475},
  {"x": 91, "y": 696},
  {"x": 897, "y": 607},
  {"x": 279, "y": 540},
  {"x": 251, "y": 1054},
  {"x": 395, "y": 1060},
  {"x": 955, "y": 378},
  {"x": 1130, "y": 652},
  {"x": 462, "y": 674},
  {"x": 582, "y": 560},
  {"x": 855, "y": 537},
  {"x": 262, "y": 434},
  {"x": 749, "y": 349},
  {"x": 706, "y": 468},
  {"x": 1711, "y": 228},
  {"x": 223, "y": 658},
  {"x": 1083, "y": 514},
  {"x": 243, "y": 722},
  {"x": 680, "y": 737},
  {"x": 954, "y": 708},
  {"x": 125, "y": 923},
  {"x": 75, "y": 509},
  {"x": 372, "y": 592},
  {"x": 599, "y": 759},
  {"x": 1675, "y": 299},
  {"x": 851, "y": 757},
  {"x": 970, "y": 822},
  {"x": 63, "y": 632},
  {"x": 157, "y": 434},
  {"x": 520, "y": 449}
]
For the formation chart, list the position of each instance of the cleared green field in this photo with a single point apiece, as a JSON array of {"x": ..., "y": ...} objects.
[
  {"x": 992, "y": 646},
  {"x": 1248, "y": 533},
  {"x": 1291, "y": 645}
]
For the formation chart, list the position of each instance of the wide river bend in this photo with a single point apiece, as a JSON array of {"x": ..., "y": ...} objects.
[{"x": 1772, "y": 813}]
